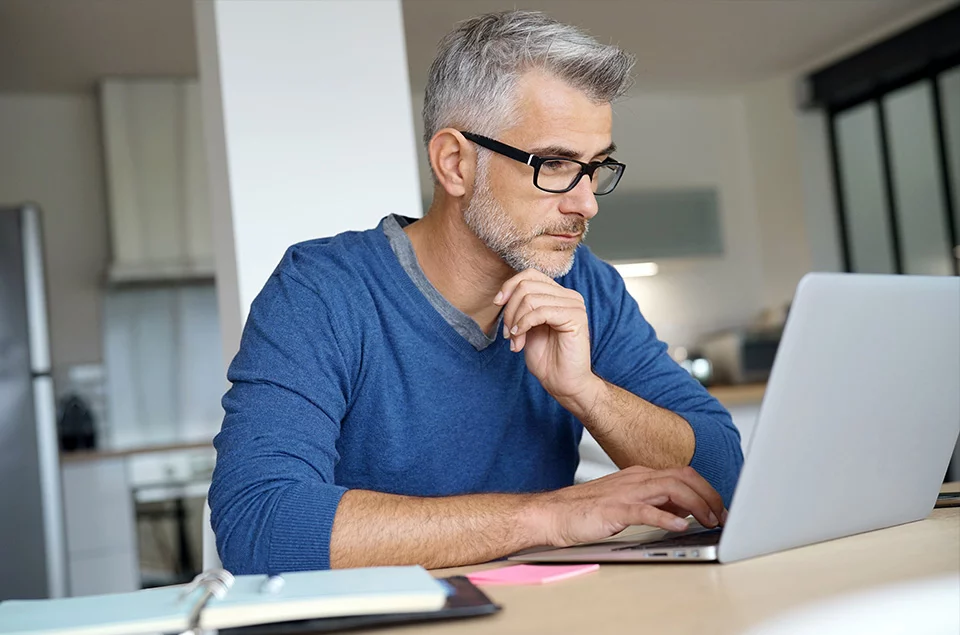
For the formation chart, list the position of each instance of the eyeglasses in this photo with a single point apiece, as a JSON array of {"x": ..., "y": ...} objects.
[{"x": 558, "y": 174}]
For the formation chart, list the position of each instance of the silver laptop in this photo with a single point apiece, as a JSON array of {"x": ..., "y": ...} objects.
[{"x": 858, "y": 423}]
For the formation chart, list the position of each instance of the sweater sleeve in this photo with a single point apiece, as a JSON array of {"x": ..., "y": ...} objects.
[
  {"x": 273, "y": 496},
  {"x": 628, "y": 354}
]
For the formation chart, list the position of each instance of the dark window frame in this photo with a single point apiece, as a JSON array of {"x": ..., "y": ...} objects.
[{"x": 922, "y": 53}]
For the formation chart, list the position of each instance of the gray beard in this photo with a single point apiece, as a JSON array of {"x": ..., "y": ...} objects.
[{"x": 487, "y": 219}]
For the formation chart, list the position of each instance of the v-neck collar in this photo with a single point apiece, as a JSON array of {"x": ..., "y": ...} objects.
[
  {"x": 461, "y": 332},
  {"x": 462, "y": 323}
]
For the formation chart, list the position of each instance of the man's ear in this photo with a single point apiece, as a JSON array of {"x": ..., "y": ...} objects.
[{"x": 453, "y": 160}]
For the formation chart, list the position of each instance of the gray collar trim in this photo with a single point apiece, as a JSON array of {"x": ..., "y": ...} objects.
[{"x": 461, "y": 322}]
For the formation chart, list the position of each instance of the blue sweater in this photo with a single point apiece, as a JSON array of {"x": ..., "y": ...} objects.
[{"x": 347, "y": 377}]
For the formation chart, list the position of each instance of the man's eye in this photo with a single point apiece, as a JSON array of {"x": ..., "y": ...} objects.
[{"x": 555, "y": 166}]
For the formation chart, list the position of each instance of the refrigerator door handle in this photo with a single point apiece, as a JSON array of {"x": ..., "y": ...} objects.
[{"x": 48, "y": 447}]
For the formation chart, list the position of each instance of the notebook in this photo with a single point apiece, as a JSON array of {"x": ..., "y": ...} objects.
[
  {"x": 217, "y": 600},
  {"x": 466, "y": 601}
]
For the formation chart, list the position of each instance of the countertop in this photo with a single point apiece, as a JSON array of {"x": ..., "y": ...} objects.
[
  {"x": 81, "y": 456},
  {"x": 738, "y": 395}
]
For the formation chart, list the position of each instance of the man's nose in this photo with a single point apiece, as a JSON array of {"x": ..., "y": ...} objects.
[{"x": 581, "y": 199}]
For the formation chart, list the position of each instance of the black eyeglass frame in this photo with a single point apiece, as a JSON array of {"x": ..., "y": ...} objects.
[{"x": 536, "y": 161}]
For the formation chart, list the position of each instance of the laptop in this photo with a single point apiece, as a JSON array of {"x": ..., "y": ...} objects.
[{"x": 858, "y": 423}]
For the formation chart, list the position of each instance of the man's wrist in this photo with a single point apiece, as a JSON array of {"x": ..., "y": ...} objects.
[
  {"x": 583, "y": 404},
  {"x": 535, "y": 519}
]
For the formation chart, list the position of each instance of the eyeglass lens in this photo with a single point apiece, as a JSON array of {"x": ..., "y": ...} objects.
[{"x": 558, "y": 175}]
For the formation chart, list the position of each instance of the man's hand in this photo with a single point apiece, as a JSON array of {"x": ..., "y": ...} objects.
[
  {"x": 549, "y": 323},
  {"x": 635, "y": 496}
]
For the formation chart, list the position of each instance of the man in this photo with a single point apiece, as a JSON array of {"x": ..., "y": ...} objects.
[{"x": 416, "y": 393}]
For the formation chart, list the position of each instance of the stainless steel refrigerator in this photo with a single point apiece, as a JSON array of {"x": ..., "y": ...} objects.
[{"x": 32, "y": 543}]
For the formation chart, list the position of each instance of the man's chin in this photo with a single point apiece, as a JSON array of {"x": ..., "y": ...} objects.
[{"x": 554, "y": 266}]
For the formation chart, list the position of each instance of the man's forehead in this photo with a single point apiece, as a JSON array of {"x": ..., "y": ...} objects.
[
  {"x": 554, "y": 115},
  {"x": 563, "y": 143}
]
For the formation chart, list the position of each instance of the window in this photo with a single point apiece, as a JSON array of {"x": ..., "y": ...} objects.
[{"x": 894, "y": 125}]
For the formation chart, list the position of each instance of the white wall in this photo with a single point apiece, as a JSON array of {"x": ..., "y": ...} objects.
[
  {"x": 694, "y": 141},
  {"x": 770, "y": 161},
  {"x": 309, "y": 131},
  {"x": 772, "y": 134},
  {"x": 52, "y": 155}
]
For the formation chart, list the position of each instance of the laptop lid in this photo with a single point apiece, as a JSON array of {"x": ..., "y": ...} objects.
[{"x": 860, "y": 415}]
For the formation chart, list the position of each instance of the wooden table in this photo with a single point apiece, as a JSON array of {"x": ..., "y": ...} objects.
[{"x": 714, "y": 598}]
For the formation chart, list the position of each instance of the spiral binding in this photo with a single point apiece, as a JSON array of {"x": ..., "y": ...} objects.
[{"x": 215, "y": 583}]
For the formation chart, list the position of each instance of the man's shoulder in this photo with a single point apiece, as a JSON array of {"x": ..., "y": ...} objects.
[{"x": 337, "y": 260}]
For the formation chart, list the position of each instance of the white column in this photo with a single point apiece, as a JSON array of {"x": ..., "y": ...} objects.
[{"x": 309, "y": 131}]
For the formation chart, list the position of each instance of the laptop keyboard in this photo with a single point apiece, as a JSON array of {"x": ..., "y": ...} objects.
[{"x": 699, "y": 539}]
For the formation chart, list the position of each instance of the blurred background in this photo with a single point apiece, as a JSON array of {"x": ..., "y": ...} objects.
[{"x": 764, "y": 139}]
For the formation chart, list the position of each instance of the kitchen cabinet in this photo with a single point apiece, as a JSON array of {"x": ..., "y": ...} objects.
[
  {"x": 163, "y": 360},
  {"x": 160, "y": 225},
  {"x": 651, "y": 224},
  {"x": 99, "y": 517},
  {"x": 109, "y": 538}
]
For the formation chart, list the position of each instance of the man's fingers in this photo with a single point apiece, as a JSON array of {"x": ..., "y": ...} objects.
[
  {"x": 514, "y": 289},
  {"x": 700, "y": 485},
  {"x": 527, "y": 293},
  {"x": 514, "y": 311},
  {"x": 650, "y": 515},
  {"x": 559, "y": 318},
  {"x": 684, "y": 497},
  {"x": 526, "y": 288},
  {"x": 531, "y": 298},
  {"x": 506, "y": 291},
  {"x": 676, "y": 510}
]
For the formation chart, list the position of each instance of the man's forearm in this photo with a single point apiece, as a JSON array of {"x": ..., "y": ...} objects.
[
  {"x": 633, "y": 431},
  {"x": 371, "y": 528}
]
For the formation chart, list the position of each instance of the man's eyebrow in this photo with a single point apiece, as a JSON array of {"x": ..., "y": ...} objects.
[
  {"x": 555, "y": 151},
  {"x": 610, "y": 149},
  {"x": 567, "y": 153}
]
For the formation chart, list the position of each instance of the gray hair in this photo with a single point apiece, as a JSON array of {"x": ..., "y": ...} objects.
[{"x": 473, "y": 78}]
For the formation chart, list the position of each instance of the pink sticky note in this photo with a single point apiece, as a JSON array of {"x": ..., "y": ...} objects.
[{"x": 530, "y": 574}]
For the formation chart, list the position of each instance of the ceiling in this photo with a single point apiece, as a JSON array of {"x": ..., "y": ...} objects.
[
  {"x": 688, "y": 43},
  {"x": 65, "y": 45}
]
